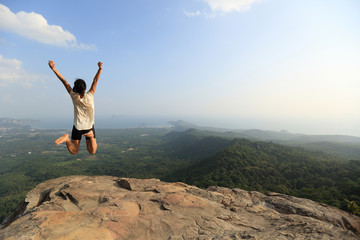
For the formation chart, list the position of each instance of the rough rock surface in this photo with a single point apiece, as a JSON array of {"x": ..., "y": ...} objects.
[{"x": 103, "y": 207}]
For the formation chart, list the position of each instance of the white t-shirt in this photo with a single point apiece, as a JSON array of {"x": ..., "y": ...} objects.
[{"x": 83, "y": 110}]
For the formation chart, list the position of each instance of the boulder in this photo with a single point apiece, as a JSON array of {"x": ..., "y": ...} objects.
[{"x": 104, "y": 208}]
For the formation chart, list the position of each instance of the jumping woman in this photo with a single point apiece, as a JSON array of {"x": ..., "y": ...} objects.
[{"x": 83, "y": 113}]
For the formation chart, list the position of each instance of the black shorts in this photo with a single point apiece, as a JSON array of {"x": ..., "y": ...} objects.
[{"x": 77, "y": 134}]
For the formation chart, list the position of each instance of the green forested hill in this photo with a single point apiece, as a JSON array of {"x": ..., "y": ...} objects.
[
  {"x": 340, "y": 149},
  {"x": 193, "y": 144},
  {"x": 265, "y": 166}
]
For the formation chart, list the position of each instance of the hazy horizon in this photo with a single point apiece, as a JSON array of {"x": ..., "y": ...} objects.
[
  {"x": 238, "y": 64},
  {"x": 134, "y": 121}
]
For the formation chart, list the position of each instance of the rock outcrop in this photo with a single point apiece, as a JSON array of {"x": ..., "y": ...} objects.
[{"x": 103, "y": 207}]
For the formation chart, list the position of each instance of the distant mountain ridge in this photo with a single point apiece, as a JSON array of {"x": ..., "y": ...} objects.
[
  {"x": 266, "y": 135},
  {"x": 339, "y": 145}
]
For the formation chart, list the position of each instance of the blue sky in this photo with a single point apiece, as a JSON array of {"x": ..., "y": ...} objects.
[{"x": 268, "y": 64}]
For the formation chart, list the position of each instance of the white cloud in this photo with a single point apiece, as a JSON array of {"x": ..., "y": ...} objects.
[
  {"x": 11, "y": 72},
  {"x": 230, "y": 5},
  {"x": 34, "y": 26},
  {"x": 222, "y": 6},
  {"x": 192, "y": 14}
]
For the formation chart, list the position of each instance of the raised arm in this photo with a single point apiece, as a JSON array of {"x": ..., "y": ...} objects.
[
  {"x": 62, "y": 79},
  {"x": 96, "y": 79}
]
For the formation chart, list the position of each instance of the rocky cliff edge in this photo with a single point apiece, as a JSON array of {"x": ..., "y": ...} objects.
[{"x": 104, "y": 208}]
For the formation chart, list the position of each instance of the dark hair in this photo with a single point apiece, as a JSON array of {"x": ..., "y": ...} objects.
[{"x": 79, "y": 86}]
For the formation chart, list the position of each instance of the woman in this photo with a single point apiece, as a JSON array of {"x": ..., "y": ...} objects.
[{"x": 83, "y": 113}]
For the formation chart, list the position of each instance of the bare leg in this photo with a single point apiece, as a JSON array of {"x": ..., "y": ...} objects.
[
  {"x": 72, "y": 145},
  {"x": 91, "y": 142},
  {"x": 62, "y": 139}
]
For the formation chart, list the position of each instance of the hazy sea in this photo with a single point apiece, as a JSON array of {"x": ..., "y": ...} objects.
[{"x": 302, "y": 126}]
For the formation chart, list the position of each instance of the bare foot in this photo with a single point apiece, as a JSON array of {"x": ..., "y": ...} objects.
[
  {"x": 89, "y": 134},
  {"x": 62, "y": 139}
]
